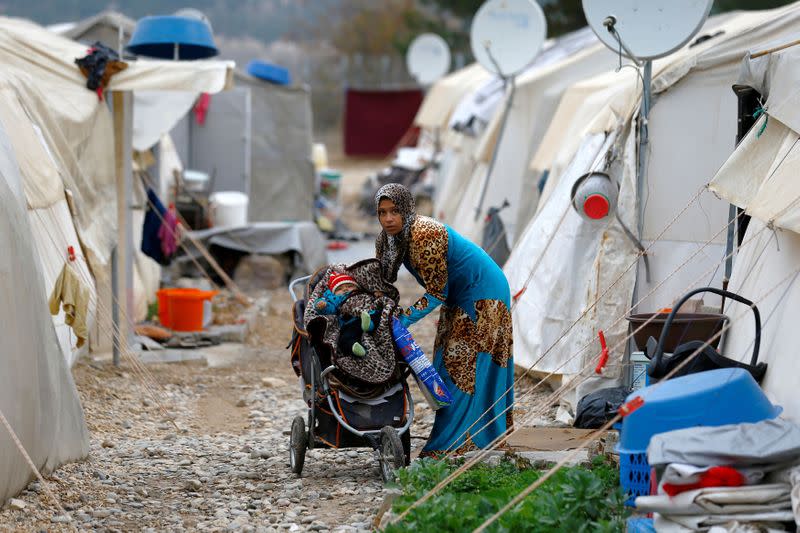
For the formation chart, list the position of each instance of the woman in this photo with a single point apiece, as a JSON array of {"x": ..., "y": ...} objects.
[{"x": 473, "y": 342}]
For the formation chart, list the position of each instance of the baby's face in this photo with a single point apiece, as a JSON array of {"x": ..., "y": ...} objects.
[{"x": 344, "y": 288}]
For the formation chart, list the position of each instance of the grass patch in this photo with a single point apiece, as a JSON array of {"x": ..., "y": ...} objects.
[{"x": 574, "y": 500}]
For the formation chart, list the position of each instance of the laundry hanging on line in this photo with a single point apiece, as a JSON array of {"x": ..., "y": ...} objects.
[
  {"x": 71, "y": 294},
  {"x": 159, "y": 241}
]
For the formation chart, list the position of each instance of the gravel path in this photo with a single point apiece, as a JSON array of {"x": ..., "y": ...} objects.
[{"x": 226, "y": 466}]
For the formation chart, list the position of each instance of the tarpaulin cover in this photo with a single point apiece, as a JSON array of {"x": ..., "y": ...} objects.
[
  {"x": 376, "y": 120},
  {"x": 281, "y": 170},
  {"x": 37, "y": 394},
  {"x": 271, "y": 238},
  {"x": 769, "y": 442}
]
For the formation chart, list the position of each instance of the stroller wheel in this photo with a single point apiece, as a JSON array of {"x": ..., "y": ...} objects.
[
  {"x": 298, "y": 442},
  {"x": 390, "y": 453}
]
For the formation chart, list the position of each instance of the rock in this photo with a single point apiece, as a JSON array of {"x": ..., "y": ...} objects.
[
  {"x": 108, "y": 444},
  {"x": 17, "y": 505},
  {"x": 193, "y": 485},
  {"x": 103, "y": 513},
  {"x": 241, "y": 403},
  {"x": 146, "y": 402},
  {"x": 260, "y": 454},
  {"x": 61, "y": 519},
  {"x": 259, "y": 272},
  {"x": 273, "y": 382},
  {"x": 283, "y": 502}
]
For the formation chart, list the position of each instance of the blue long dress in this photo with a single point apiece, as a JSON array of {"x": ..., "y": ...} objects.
[{"x": 473, "y": 341}]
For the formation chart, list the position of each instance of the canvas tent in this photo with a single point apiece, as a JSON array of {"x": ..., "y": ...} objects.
[
  {"x": 256, "y": 139},
  {"x": 37, "y": 394},
  {"x": 761, "y": 177},
  {"x": 692, "y": 102},
  {"x": 467, "y": 155},
  {"x": 538, "y": 90}
]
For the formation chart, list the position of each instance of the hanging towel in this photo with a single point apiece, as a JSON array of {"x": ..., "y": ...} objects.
[
  {"x": 168, "y": 233},
  {"x": 72, "y": 295},
  {"x": 151, "y": 242}
]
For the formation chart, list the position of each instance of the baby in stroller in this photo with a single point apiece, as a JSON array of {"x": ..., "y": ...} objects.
[
  {"x": 354, "y": 401},
  {"x": 342, "y": 286}
]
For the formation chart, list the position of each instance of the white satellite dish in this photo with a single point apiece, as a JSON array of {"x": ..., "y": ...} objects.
[
  {"x": 507, "y": 35},
  {"x": 428, "y": 58},
  {"x": 649, "y": 29}
]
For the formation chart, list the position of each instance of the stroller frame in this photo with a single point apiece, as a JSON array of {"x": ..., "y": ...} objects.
[{"x": 392, "y": 444}]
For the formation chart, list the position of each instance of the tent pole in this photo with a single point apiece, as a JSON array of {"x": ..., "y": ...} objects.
[
  {"x": 123, "y": 133},
  {"x": 644, "y": 140}
]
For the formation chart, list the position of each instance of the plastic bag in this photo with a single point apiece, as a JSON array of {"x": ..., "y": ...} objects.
[{"x": 597, "y": 408}]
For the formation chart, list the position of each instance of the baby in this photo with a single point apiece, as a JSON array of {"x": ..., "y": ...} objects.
[{"x": 340, "y": 287}]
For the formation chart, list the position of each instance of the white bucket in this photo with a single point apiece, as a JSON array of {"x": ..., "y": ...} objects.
[
  {"x": 228, "y": 209},
  {"x": 319, "y": 155},
  {"x": 638, "y": 377}
]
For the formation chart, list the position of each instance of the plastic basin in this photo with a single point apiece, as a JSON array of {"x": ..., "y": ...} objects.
[
  {"x": 685, "y": 327},
  {"x": 182, "y": 309},
  {"x": 712, "y": 398}
]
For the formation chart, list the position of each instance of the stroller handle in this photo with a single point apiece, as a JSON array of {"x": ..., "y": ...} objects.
[{"x": 294, "y": 283}]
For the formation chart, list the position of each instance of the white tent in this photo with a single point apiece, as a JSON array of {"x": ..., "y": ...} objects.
[
  {"x": 538, "y": 90},
  {"x": 761, "y": 177},
  {"x": 37, "y": 394},
  {"x": 691, "y": 134}
]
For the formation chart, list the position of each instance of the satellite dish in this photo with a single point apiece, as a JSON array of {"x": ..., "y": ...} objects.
[
  {"x": 649, "y": 29},
  {"x": 507, "y": 35},
  {"x": 428, "y": 58}
]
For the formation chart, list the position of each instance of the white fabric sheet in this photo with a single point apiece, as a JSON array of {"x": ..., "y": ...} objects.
[{"x": 37, "y": 394}]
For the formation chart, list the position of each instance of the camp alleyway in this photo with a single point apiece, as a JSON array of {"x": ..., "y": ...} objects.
[{"x": 226, "y": 467}]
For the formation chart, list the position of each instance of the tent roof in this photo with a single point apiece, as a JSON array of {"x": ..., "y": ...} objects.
[
  {"x": 109, "y": 19},
  {"x": 446, "y": 93},
  {"x": 761, "y": 175}
]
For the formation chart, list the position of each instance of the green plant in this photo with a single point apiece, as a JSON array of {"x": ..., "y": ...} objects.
[
  {"x": 152, "y": 310},
  {"x": 574, "y": 500}
]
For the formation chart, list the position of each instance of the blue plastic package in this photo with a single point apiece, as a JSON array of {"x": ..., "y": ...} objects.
[{"x": 428, "y": 379}]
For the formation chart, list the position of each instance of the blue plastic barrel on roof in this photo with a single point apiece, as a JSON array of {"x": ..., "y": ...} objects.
[
  {"x": 159, "y": 36},
  {"x": 269, "y": 72}
]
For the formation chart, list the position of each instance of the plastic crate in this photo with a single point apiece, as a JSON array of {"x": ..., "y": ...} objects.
[{"x": 634, "y": 475}]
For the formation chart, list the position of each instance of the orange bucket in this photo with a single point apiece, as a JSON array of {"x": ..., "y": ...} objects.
[{"x": 182, "y": 309}]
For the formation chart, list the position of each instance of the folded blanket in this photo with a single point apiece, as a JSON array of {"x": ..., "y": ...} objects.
[
  {"x": 379, "y": 364},
  {"x": 723, "y": 501}
]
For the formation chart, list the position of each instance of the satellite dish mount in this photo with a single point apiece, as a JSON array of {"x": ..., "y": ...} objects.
[
  {"x": 506, "y": 37},
  {"x": 643, "y": 30}
]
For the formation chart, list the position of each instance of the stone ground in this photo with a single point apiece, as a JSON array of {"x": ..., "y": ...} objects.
[{"x": 225, "y": 467}]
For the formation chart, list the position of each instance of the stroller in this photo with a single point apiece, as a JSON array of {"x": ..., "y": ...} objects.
[{"x": 341, "y": 416}]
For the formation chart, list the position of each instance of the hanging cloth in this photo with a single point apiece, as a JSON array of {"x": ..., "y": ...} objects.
[
  {"x": 168, "y": 233},
  {"x": 72, "y": 295},
  {"x": 151, "y": 241}
]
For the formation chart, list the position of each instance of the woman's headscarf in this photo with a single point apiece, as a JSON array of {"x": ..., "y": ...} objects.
[{"x": 389, "y": 249}]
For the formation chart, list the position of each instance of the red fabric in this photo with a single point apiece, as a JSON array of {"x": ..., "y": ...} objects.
[
  {"x": 375, "y": 121},
  {"x": 716, "y": 476},
  {"x": 201, "y": 108}
]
